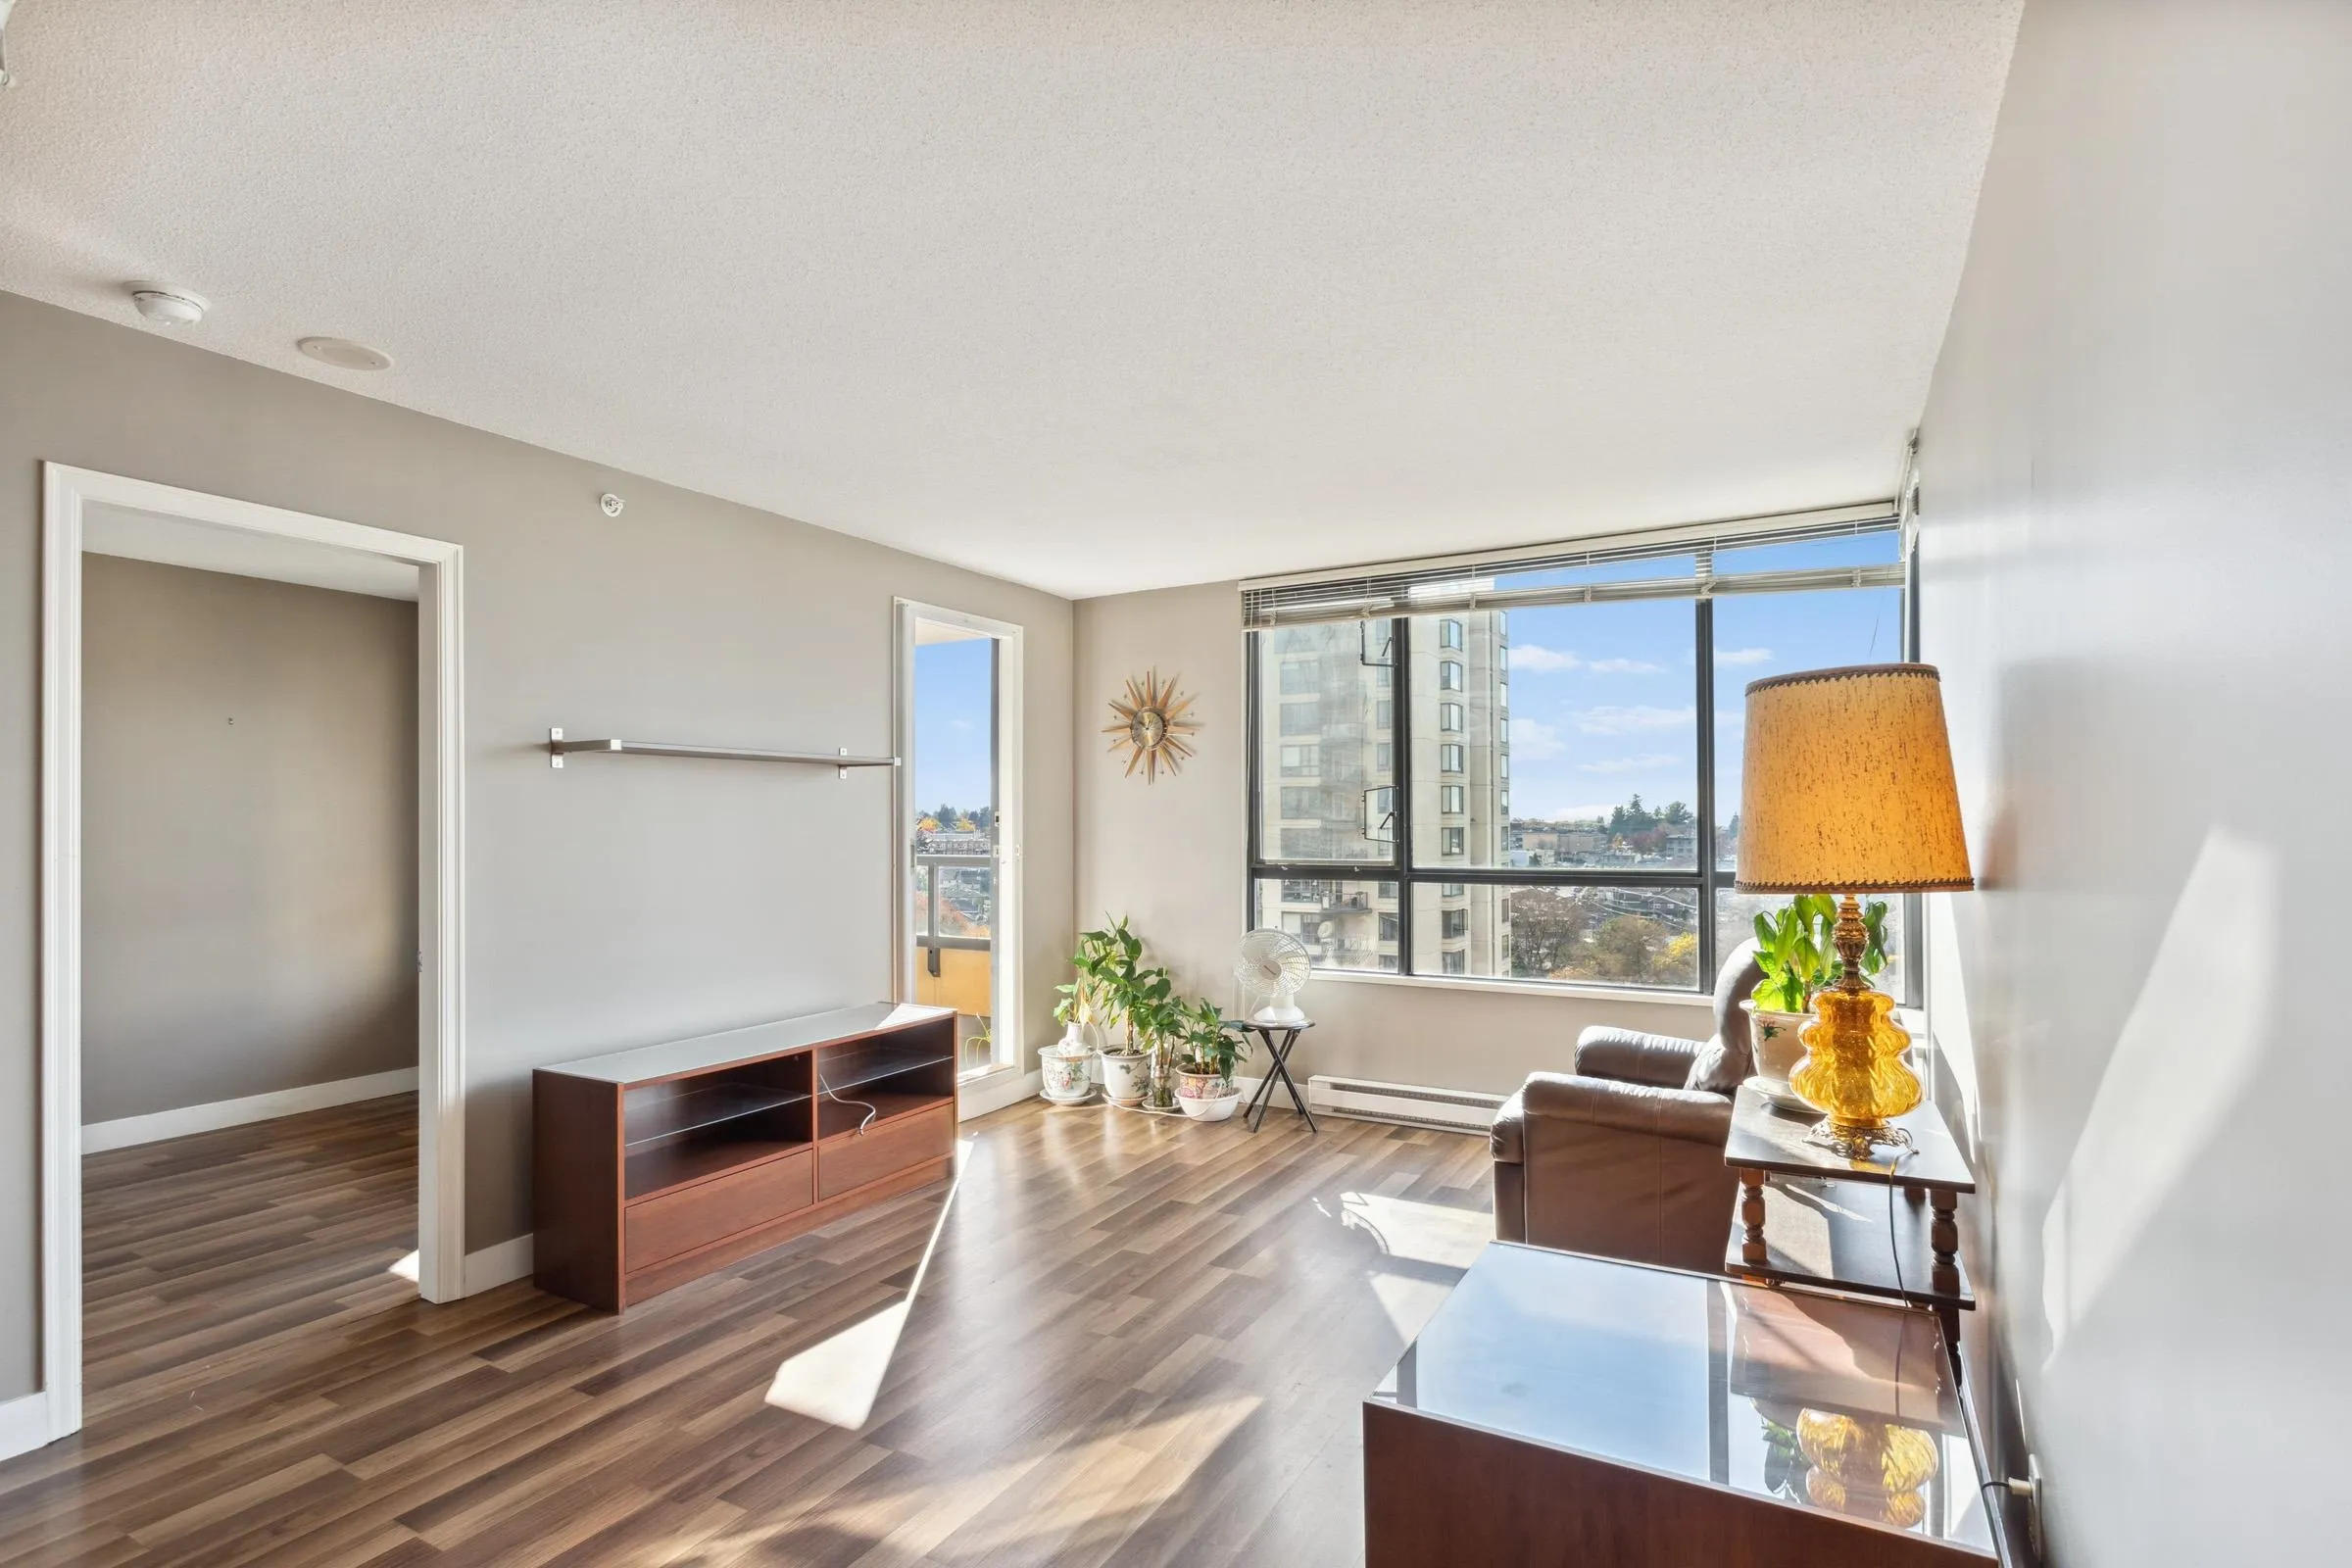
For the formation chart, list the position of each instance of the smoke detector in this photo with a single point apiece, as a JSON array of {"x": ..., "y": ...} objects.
[
  {"x": 345, "y": 355},
  {"x": 166, "y": 305}
]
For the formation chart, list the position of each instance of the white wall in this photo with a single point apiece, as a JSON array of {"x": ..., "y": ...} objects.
[
  {"x": 2138, "y": 458},
  {"x": 618, "y": 900},
  {"x": 1171, "y": 857}
]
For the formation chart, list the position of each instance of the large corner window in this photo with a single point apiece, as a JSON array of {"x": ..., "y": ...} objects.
[{"x": 1530, "y": 769}]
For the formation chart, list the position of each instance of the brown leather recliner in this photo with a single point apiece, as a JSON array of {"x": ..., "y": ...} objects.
[{"x": 1624, "y": 1158}]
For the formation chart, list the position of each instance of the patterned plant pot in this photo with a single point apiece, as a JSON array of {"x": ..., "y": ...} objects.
[
  {"x": 1068, "y": 1073},
  {"x": 1206, "y": 1096},
  {"x": 1126, "y": 1078},
  {"x": 1772, "y": 1041}
]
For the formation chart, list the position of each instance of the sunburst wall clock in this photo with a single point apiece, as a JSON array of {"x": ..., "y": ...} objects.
[{"x": 1149, "y": 726}]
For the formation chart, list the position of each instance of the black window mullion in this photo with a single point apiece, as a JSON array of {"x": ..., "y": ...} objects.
[
  {"x": 1400, "y": 780},
  {"x": 1703, "y": 656},
  {"x": 1252, "y": 718}
]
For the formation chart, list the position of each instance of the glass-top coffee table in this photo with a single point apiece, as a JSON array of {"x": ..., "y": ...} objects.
[{"x": 1563, "y": 1408}]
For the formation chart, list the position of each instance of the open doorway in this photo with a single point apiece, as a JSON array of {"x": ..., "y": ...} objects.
[
  {"x": 959, "y": 835},
  {"x": 171, "y": 617}
]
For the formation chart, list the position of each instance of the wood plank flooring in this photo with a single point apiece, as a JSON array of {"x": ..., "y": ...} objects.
[{"x": 1136, "y": 1341}]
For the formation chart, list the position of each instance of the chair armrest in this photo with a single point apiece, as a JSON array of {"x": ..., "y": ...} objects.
[
  {"x": 1506, "y": 1140},
  {"x": 1691, "y": 1115},
  {"x": 1634, "y": 1057},
  {"x": 1620, "y": 1170}
]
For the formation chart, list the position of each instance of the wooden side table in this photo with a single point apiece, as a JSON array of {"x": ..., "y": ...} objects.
[
  {"x": 1817, "y": 1230},
  {"x": 1279, "y": 1038}
]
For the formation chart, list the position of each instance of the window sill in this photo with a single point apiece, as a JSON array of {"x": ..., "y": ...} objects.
[{"x": 1522, "y": 987}]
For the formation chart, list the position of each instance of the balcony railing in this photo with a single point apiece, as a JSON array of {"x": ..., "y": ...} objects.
[{"x": 973, "y": 898}]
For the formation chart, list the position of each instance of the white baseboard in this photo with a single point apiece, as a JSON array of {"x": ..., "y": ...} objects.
[
  {"x": 997, "y": 1091},
  {"x": 97, "y": 1137},
  {"x": 498, "y": 1263},
  {"x": 25, "y": 1424}
]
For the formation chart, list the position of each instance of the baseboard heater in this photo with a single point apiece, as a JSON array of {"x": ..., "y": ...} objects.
[{"x": 1460, "y": 1110}]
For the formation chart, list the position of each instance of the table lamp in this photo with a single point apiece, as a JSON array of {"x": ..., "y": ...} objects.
[{"x": 1847, "y": 790}]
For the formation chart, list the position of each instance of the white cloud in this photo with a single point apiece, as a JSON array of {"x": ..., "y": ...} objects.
[
  {"x": 1533, "y": 740},
  {"x": 1579, "y": 813},
  {"x": 1626, "y": 765},
  {"x": 1621, "y": 720},
  {"x": 1534, "y": 660},
  {"x": 1743, "y": 655},
  {"x": 965, "y": 725}
]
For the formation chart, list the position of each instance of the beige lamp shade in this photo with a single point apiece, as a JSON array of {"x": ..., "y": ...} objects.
[{"x": 1848, "y": 785}]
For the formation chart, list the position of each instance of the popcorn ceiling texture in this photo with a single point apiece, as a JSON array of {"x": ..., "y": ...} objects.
[{"x": 1096, "y": 297}]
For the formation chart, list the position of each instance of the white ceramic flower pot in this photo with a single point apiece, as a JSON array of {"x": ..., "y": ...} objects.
[
  {"x": 1773, "y": 1042},
  {"x": 1069, "y": 1076},
  {"x": 1125, "y": 1078},
  {"x": 1206, "y": 1096}
]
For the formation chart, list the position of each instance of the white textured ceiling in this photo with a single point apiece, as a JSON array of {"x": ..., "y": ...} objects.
[{"x": 1092, "y": 295}]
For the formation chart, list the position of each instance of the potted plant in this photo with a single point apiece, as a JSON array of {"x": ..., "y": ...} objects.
[
  {"x": 1137, "y": 997},
  {"x": 1204, "y": 1085},
  {"x": 1797, "y": 950},
  {"x": 1068, "y": 1065},
  {"x": 1158, "y": 1027}
]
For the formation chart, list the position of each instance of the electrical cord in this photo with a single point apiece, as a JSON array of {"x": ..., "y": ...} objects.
[
  {"x": 871, "y": 1111},
  {"x": 1996, "y": 1491}
]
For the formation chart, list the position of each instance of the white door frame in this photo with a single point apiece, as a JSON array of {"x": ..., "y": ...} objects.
[
  {"x": 441, "y": 903},
  {"x": 1006, "y": 1024}
]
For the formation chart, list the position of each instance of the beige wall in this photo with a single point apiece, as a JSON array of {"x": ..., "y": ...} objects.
[
  {"x": 249, "y": 837},
  {"x": 1170, "y": 855},
  {"x": 2136, "y": 550},
  {"x": 615, "y": 902}
]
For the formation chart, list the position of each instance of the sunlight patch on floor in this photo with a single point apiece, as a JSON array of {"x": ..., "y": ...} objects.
[
  {"x": 1424, "y": 1233},
  {"x": 1409, "y": 1302},
  {"x": 1088, "y": 1494},
  {"x": 1440, "y": 1241},
  {"x": 407, "y": 1268},
  {"x": 837, "y": 1379}
]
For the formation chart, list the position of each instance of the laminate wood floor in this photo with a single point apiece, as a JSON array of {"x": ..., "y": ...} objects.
[{"x": 1135, "y": 1341}]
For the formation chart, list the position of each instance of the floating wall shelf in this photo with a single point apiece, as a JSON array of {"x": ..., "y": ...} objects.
[{"x": 559, "y": 748}]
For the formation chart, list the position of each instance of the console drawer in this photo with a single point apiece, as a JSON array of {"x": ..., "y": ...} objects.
[
  {"x": 670, "y": 1223},
  {"x": 852, "y": 1159}
]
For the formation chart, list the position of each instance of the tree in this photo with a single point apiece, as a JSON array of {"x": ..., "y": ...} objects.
[
  {"x": 1546, "y": 931},
  {"x": 1681, "y": 958},
  {"x": 1626, "y": 947}
]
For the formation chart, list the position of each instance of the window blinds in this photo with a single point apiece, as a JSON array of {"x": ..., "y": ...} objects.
[{"x": 1505, "y": 579}]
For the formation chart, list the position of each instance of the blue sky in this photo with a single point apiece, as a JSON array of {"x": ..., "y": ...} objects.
[
  {"x": 953, "y": 693},
  {"x": 1603, "y": 695}
]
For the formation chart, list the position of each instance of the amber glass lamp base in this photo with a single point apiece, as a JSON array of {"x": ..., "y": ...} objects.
[{"x": 1854, "y": 1069}]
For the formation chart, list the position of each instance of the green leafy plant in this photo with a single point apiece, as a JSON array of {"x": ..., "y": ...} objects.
[
  {"x": 1797, "y": 951},
  {"x": 1208, "y": 1045},
  {"x": 1113, "y": 979},
  {"x": 1090, "y": 997}
]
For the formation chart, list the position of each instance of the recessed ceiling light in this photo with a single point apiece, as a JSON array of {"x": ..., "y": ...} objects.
[
  {"x": 166, "y": 305},
  {"x": 345, "y": 355}
]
